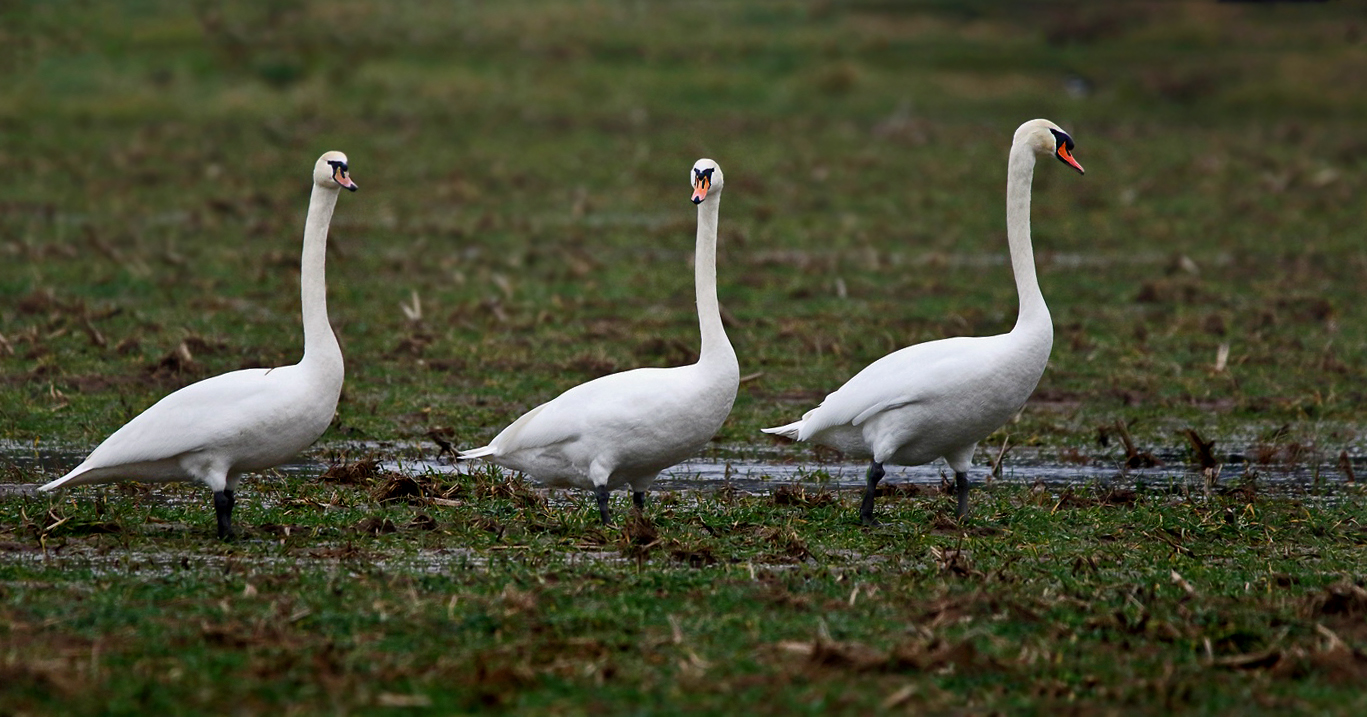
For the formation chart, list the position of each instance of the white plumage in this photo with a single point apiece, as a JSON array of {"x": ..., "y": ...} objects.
[
  {"x": 939, "y": 399},
  {"x": 623, "y": 429},
  {"x": 217, "y": 429}
]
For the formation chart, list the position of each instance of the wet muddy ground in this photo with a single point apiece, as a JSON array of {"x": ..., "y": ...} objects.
[
  {"x": 398, "y": 578},
  {"x": 758, "y": 473}
]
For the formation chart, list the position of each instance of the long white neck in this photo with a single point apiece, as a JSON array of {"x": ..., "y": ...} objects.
[
  {"x": 715, "y": 345},
  {"x": 1034, "y": 314},
  {"x": 320, "y": 344}
]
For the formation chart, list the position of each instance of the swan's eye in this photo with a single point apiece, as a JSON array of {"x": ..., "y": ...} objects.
[
  {"x": 702, "y": 182},
  {"x": 339, "y": 174},
  {"x": 1063, "y": 149},
  {"x": 1062, "y": 140}
]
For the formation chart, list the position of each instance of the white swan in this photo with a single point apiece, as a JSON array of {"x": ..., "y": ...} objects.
[
  {"x": 938, "y": 399},
  {"x": 217, "y": 429},
  {"x": 625, "y": 428}
]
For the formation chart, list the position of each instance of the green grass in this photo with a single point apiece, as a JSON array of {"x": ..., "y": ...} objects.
[
  {"x": 522, "y": 170},
  {"x": 484, "y": 595}
]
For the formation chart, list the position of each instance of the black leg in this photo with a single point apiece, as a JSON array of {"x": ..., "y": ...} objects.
[
  {"x": 602, "y": 493},
  {"x": 866, "y": 508},
  {"x": 223, "y": 507},
  {"x": 961, "y": 487},
  {"x": 638, "y": 499}
]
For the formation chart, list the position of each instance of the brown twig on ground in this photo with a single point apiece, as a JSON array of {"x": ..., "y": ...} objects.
[
  {"x": 444, "y": 446},
  {"x": 1210, "y": 468},
  {"x": 1346, "y": 465},
  {"x": 996, "y": 471},
  {"x": 1135, "y": 458},
  {"x": 1202, "y": 448}
]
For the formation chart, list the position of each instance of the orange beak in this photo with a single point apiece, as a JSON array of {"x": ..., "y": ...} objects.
[
  {"x": 1067, "y": 158},
  {"x": 700, "y": 187},
  {"x": 339, "y": 176}
]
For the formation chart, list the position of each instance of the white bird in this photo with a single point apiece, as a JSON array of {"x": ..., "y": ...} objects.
[
  {"x": 623, "y": 429},
  {"x": 215, "y": 430},
  {"x": 938, "y": 399}
]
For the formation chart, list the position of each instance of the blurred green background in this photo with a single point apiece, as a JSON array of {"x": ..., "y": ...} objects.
[{"x": 522, "y": 169}]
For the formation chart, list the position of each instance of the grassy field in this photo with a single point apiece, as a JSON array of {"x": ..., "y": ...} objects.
[
  {"x": 522, "y": 170},
  {"x": 359, "y": 591}
]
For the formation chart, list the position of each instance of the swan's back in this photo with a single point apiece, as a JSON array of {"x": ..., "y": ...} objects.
[
  {"x": 951, "y": 382},
  {"x": 677, "y": 405},
  {"x": 249, "y": 419},
  {"x": 639, "y": 421}
]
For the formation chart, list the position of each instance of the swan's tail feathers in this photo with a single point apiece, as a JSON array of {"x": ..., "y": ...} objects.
[
  {"x": 488, "y": 450},
  {"x": 69, "y": 478},
  {"x": 789, "y": 431}
]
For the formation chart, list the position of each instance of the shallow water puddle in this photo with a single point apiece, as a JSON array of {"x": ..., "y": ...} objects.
[
  {"x": 762, "y": 475},
  {"x": 761, "y": 472},
  {"x": 113, "y": 560}
]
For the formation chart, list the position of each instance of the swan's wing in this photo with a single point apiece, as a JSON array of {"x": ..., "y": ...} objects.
[
  {"x": 529, "y": 432},
  {"x": 198, "y": 416},
  {"x": 915, "y": 374},
  {"x": 611, "y": 405}
]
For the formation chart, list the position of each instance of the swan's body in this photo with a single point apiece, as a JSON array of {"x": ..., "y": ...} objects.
[
  {"x": 623, "y": 429},
  {"x": 940, "y": 398},
  {"x": 217, "y": 429}
]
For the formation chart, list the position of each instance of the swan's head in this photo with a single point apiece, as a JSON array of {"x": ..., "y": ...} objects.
[
  {"x": 331, "y": 171},
  {"x": 1045, "y": 137},
  {"x": 706, "y": 180}
]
